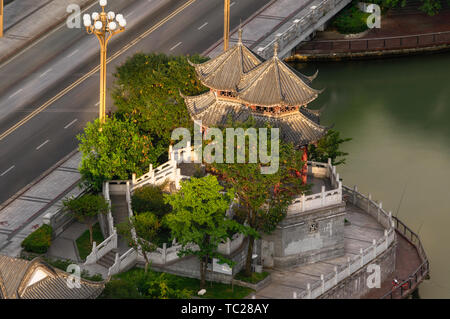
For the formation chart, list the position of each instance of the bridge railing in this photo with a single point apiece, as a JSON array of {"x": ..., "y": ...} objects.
[{"x": 308, "y": 22}]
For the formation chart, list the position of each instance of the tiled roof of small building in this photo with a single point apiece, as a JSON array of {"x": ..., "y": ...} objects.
[
  {"x": 225, "y": 70},
  {"x": 15, "y": 276},
  {"x": 299, "y": 127},
  {"x": 275, "y": 83}
]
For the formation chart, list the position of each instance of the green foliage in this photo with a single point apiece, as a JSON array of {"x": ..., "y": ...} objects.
[
  {"x": 83, "y": 242},
  {"x": 136, "y": 284},
  {"x": 199, "y": 218},
  {"x": 146, "y": 226},
  {"x": 85, "y": 275},
  {"x": 328, "y": 147},
  {"x": 431, "y": 7},
  {"x": 38, "y": 241},
  {"x": 147, "y": 92},
  {"x": 351, "y": 20},
  {"x": 253, "y": 279},
  {"x": 114, "y": 151},
  {"x": 150, "y": 199},
  {"x": 86, "y": 208}
]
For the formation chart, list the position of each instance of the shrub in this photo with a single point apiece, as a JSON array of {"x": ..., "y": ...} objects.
[
  {"x": 150, "y": 199},
  {"x": 351, "y": 20},
  {"x": 38, "y": 241}
]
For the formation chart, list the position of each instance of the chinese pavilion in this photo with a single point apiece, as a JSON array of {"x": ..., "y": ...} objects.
[{"x": 242, "y": 84}]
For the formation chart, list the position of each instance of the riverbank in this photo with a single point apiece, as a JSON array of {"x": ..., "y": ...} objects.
[{"x": 402, "y": 32}]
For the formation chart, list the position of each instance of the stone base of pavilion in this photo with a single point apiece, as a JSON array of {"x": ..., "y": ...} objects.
[{"x": 288, "y": 283}]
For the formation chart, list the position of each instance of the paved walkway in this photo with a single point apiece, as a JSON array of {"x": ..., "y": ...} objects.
[
  {"x": 24, "y": 212},
  {"x": 26, "y": 21},
  {"x": 295, "y": 279}
]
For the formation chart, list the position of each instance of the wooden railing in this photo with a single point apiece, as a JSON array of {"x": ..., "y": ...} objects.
[
  {"x": 377, "y": 44},
  {"x": 421, "y": 273}
]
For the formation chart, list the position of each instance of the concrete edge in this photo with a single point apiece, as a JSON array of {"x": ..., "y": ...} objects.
[
  {"x": 36, "y": 37},
  {"x": 256, "y": 287},
  {"x": 367, "y": 54},
  {"x": 36, "y": 180}
]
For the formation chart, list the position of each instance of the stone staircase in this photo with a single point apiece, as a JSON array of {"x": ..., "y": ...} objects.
[{"x": 108, "y": 260}]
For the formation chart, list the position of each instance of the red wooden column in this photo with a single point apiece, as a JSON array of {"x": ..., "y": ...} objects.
[{"x": 305, "y": 166}]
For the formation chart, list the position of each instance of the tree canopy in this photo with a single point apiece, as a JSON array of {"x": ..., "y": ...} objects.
[
  {"x": 328, "y": 147},
  {"x": 86, "y": 208},
  {"x": 115, "y": 151},
  {"x": 147, "y": 91},
  {"x": 263, "y": 198},
  {"x": 198, "y": 217}
]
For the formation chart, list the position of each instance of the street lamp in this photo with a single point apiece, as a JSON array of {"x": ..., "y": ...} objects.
[
  {"x": 104, "y": 25},
  {"x": 226, "y": 24},
  {"x": 1, "y": 18}
]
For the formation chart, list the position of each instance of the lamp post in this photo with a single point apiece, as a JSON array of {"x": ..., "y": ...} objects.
[
  {"x": 1, "y": 18},
  {"x": 104, "y": 26},
  {"x": 226, "y": 24}
]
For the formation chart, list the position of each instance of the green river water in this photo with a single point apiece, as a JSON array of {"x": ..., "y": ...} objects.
[{"x": 398, "y": 113}]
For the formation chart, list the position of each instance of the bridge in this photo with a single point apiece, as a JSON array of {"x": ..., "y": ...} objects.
[{"x": 287, "y": 21}]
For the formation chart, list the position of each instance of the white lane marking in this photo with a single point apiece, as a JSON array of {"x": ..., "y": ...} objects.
[
  {"x": 45, "y": 73},
  {"x": 73, "y": 53},
  {"x": 70, "y": 124},
  {"x": 175, "y": 46},
  {"x": 202, "y": 26},
  {"x": 14, "y": 94},
  {"x": 37, "y": 148},
  {"x": 5, "y": 172},
  {"x": 129, "y": 14},
  {"x": 232, "y": 4}
]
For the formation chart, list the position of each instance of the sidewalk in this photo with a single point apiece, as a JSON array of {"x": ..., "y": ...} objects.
[
  {"x": 27, "y": 21},
  {"x": 24, "y": 212}
]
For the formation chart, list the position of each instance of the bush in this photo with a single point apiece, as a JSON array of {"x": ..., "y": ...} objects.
[
  {"x": 351, "y": 20},
  {"x": 38, "y": 241},
  {"x": 150, "y": 199}
]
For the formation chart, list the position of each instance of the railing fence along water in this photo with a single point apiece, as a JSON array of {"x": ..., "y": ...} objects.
[
  {"x": 376, "y": 211},
  {"x": 366, "y": 256},
  {"x": 379, "y": 44},
  {"x": 312, "y": 20}
]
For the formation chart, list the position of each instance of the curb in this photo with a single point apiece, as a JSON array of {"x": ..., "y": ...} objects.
[
  {"x": 36, "y": 180},
  {"x": 33, "y": 39},
  {"x": 336, "y": 57}
]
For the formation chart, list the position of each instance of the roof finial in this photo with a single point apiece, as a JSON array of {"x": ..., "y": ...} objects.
[
  {"x": 275, "y": 49},
  {"x": 240, "y": 35}
]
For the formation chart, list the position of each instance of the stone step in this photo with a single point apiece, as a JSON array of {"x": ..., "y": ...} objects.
[{"x": 108, "y": 260}]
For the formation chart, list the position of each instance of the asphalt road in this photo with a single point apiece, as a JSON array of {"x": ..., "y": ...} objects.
[{"x": 30, "y": 81}]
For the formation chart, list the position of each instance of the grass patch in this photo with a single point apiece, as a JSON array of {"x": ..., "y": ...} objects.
[
  {"x": 83, "y": 244},
  {"x": 254, "y": 278},
  {"x": 132, "y": 284}
]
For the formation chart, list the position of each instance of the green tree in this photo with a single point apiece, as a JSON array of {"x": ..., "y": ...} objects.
[
  {"x": 86, "y": 208},
  {"x": 328, "y": 147},
  {"x": 114, "y": 152},
  {"x": 147, "y": 90},
  {"x": 150, "y": 198},
  {"x": 198, "y": 217},
  {"x": 263, "y": 198},
  {"x": 140, "y": 232}
]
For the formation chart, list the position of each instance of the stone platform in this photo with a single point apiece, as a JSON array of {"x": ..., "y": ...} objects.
[{"x": 357, "y": 235}]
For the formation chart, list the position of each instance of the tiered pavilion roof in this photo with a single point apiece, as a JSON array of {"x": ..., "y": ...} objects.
[{"x": 243, "y": 85}]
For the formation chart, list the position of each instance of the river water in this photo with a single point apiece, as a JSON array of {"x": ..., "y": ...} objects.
[{"x": 398, "y": 113}]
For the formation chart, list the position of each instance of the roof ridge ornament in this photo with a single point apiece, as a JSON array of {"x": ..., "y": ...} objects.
[
  {"x": 275, "y": 49},
  {"x": 240, "y": 35}
]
